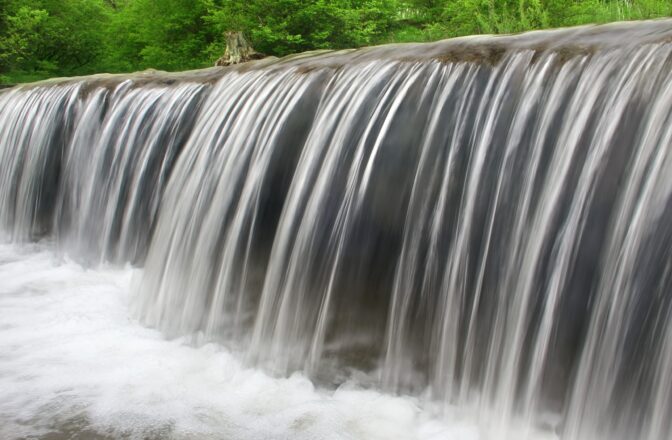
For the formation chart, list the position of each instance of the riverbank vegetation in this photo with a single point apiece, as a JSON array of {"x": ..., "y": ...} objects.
[{"x": 45, "y": 38}]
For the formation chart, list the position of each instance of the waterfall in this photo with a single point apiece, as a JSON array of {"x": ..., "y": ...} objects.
[{"x": 481, "y": 221}]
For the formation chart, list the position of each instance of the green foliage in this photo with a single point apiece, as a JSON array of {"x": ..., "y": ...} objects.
[
  {"x": 494, "y": 16},
  {"x": 279, "y": 27},
  {"x": 167, "y": 35},
  {"x": 51, "y": 36},
  {"x": 41, "y": 38},
  {"x": 602, "y": 11}
]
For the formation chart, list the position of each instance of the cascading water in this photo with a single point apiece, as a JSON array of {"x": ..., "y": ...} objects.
[{"x": 483, "y": 222}]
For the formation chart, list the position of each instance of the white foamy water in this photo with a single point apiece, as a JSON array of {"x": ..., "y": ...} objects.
[{"x": 73, "y": 359}]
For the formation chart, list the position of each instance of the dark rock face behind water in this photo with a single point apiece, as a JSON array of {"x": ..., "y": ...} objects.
[{"x": 484, "y": 219}]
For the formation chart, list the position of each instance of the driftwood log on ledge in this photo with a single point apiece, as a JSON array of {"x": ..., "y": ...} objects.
[{"x": 238, "y": 50}]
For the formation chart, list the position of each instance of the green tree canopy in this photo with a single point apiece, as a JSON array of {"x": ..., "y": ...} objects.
[
  {"x": 41, "y": 38},
  {"x": 53, "y": 36}
]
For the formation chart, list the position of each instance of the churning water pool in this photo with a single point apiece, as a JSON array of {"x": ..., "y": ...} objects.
[{"x": 75, "y": 363}]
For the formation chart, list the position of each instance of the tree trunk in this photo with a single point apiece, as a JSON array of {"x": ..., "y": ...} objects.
[{"x": 238, "y": 50}]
